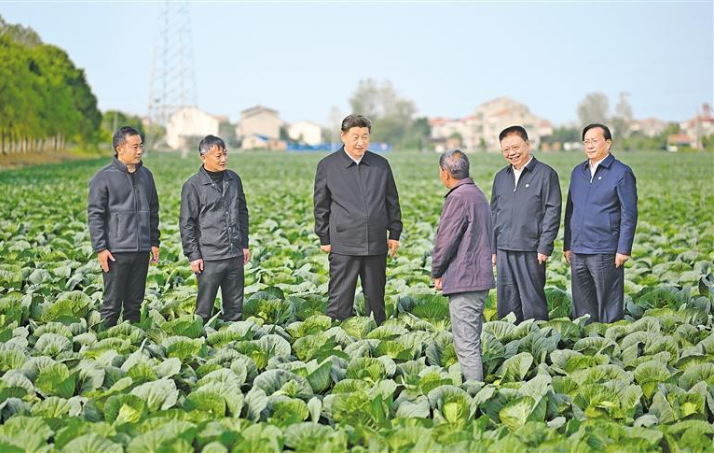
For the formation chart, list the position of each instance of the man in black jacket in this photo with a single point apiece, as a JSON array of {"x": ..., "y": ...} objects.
[
  {"x": 123, "y": 218},
  {"x": 525, "y": 206},
  {"x": 356, "y": 204},
  {"x": 214, "y": 231}
]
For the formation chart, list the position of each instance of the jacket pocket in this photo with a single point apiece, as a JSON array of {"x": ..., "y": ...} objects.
[{"x": 615, "y": 222}]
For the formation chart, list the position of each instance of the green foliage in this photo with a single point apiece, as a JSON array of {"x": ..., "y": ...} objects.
[
  {"x": 288, "y": 378},
  {"x": 42, "y": 94}
]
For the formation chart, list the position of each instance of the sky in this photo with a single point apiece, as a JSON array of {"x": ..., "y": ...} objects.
[{"x": 303, "y": 58}]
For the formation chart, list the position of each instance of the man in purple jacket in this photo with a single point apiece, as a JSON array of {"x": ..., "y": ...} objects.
[{"x": 461, "y": 261}]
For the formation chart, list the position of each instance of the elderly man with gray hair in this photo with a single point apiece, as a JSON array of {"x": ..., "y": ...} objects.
[
  {"x": 461, "y": 261},
  {"x": 214, "y": 231}
]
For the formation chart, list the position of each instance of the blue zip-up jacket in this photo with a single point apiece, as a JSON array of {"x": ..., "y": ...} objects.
[{"x": 601, "y": 213}]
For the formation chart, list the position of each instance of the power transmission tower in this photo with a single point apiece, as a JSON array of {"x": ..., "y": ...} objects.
[{"x": 173, "y": 84}]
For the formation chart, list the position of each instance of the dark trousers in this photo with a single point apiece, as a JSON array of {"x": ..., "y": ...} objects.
[
  {"x": 344, "y": 269},
  {"x": 598, "y": 287},
  {"x": 124, "y": 285},
  {"x": 228, "y": 275},
  {"x": 520, "y": 284}
]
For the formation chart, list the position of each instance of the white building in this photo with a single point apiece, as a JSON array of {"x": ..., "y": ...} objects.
[
  {"x": 188, "y": 125},
  {"x": 306, "y": 132}
]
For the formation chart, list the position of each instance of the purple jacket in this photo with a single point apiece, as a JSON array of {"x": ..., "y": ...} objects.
[{"x": 462, "y": 248}]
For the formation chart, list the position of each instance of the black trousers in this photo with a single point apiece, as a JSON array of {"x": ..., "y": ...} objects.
[
  {"x": 520, "y": 285},
  {"x": 598, "y": 287},
  {"x": 228, "y": 275},
  {"x": 124, "y": 286},
  {"x": 344, "y": 270}
]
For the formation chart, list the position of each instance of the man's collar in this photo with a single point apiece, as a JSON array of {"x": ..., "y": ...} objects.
[
  {"x": 459, "y": 184},
  {"x": 532, "y": 161},
  {"x": 121, "y": 166},
  {"x": 207, "y": 178},
  {"x": 607, "y": 162},
  {"x": 349, "y": 161}
]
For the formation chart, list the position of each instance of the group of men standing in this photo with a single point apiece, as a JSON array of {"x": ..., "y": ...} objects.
[
  {"x": 123, "y": 218},
  {"x": 522, "y": 223},
  {"x": 358, "y": 222}
]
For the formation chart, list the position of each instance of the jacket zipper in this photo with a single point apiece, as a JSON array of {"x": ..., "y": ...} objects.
[{"x": 136, "y": 210}]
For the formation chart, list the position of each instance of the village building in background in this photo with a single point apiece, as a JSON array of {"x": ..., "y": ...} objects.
[
  {"x": 187, "y": 126},
  {"x": 479, "y": 132},
  {"x": 307, "y": 132}
]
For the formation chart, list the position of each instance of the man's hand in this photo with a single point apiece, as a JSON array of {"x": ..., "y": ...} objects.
[
  {"x": 620, "y": 259},
  {"x": 104, "y": 257},
  {"x": 568, "y": 256},
  {"x": 493, "y": 259},
  {"x": 154, "y": 254},
  {"x": 246, "y": 256},
  {"x": 326, "y": 248},
  {"x": 542, "y": 258},
  {"x": 197, "y": 266},
  {"x": 393, "y": 246},
  {"x": 438, "y": 283}
]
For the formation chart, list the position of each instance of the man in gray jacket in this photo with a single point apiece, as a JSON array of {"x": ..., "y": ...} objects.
[
  {"x": 356, "y": 204},
  {"x": 461, "y": 261},
  {"x": 214, "y": 231},
  {"x": 123, "y": 219},
  {"x": 525, "y": 205}
]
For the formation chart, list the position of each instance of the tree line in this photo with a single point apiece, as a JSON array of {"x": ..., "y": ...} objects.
[{"x": 45, "y": 100}]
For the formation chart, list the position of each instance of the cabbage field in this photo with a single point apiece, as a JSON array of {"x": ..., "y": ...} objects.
[{"x": 288, "y": 379}]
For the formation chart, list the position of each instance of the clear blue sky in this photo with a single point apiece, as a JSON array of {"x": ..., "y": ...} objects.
[{"x": 303, "y": 58}]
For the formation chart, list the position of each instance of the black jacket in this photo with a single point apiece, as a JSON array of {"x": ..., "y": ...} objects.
[
  {"x": 526, "y": 217},
  {"x": 123, "y": 210},
  {"x": 355, "y": 205},
  {"x": 214, "y": 220}
]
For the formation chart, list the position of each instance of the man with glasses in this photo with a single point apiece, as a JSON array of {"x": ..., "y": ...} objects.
[
  {"x": 214, "y": 231},
  {"x": 525, "y": 206},
  {"x": 600, "y": 221}
]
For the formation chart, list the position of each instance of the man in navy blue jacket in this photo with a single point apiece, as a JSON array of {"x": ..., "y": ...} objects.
[{"x": 600, "y": 221}]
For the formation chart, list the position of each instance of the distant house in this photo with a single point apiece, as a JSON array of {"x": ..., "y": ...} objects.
[
  {"x": 698, "y": 127},
  {"x": 675, "y": 141},
  {"x": 649, "y": 127},
  {"x": 188, "y": 125},
  {"x": 480, "y": 131},
  {"x": 259, "y": 142},
  {"x": 260, "y": 121},
  {"x": 305, "y": 132}
]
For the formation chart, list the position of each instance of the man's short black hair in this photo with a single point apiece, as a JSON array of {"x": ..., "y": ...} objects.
[
  {"x": 605, "y": 130},
  {"x": 120, "y": 136},
  {"x": 209, "y": 142},
  {"x": 356, "y": 121},
  {"x": 518, "y": 130}
]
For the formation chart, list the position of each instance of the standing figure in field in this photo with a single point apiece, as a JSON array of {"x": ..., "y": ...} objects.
[
  {"x": 600, "y": 221},
  {"x": 214, "y": 231},
  {"x": 525, "y": 205},
  {"x": 461, "y": 261},
  {"x": 123, "y": 218},
  {"x": 357, "y": 219}
]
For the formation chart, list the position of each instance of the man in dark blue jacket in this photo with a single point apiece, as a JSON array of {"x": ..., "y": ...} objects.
[
  {"x": 123, "y": 219},
  {"x": 525, "y": 205},
  {"x": 600, "y": 221}
]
